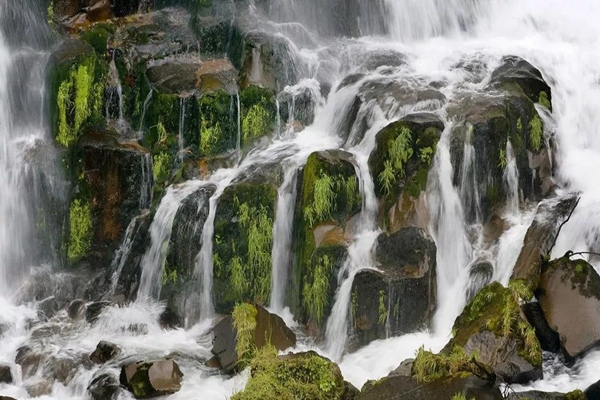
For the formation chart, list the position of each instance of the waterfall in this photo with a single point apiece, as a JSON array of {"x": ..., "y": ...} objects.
[
  {"x": 180, "y": 138},
  {"x": 144, "y": 112},
  {"x": 469, "y": 188},
  {"x": 153, "y": 260},
  {"x": 511, "y": 180},
  {"x": 121, "y": 255},
  {"x": 147, "y": 181},
  {"x": 282, "y": 237}
]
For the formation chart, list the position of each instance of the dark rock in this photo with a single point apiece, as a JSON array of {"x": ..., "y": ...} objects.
[
  {"x": 93, "y": 310},
  {"x": 569, "y": 294},
  {"x": 105, "y": 351},
  {"x": 152, "y": 379},
  {"x": 536, "y": 395},
  {"x": 270, "y": 328},
  {"x": 169, "y": 320},
  {"x": 593, "y": 392},
  {"x": 480, "y": 275},
  {"x": 541, "y": 236},
  {"x": 297, "y": 106},
  {"x": 7, "y": 398},
  {"x": 174, "y": 78},
  {"x": 404, "y": 369},
  {"x": 549, "y": 339},
  {"x": 76, "y": 309},
  {"x": 104, "y": 387},
  {"x": 406, "y": 388},
  {"x": 213, "y": 362},
  {"x": 401, "y": 295},
  {"x": 515, "y": 70},
  {"x": 5, "y": 374},
  {"x": 28, "y": 359}
]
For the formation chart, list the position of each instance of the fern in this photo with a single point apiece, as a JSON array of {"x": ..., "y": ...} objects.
[
  {"x": 387, "y": 178},
  {"x": 536, "y": 133}
]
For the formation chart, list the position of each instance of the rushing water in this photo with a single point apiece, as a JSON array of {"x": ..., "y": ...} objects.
[{"x": 562, "y": 39}]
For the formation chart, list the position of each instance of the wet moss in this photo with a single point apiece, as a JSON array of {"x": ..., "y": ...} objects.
[
  {"x": 429, "y": 367},
  {"x": 244, "y": 323},
  {"x": 218, "y": 128},
  {"x": 80, "y": 230},
  {"x": 259, "y": 112},
  {"x": 97, "y": 37}
]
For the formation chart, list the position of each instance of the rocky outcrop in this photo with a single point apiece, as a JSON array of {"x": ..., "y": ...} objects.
[
  {"x": 105, "y": 351},
  {"x": 264, "y": 329},
  {"x": 541, "y": 236},
  {"x": 569, "y": 294},
  {"x": 407, "y": 388},
  {"x": 152, "y": 378},
  {"x": 400, "y": 296},
  {"x": 328, "y": 199}
]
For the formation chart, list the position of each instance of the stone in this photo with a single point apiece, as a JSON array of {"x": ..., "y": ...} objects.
[
  {"x": 400, "y": 296},
  {"x": 537, "y": 395},
  {"x": 105, "y": 351},
  {"x": 76, "y": 309},
  {"x": 152, "y": 378},
  {"x": 94, "y": 310},
  {"x": 104, "y": 387},
  {"x": 569, "y": 294},
  {"x": 593, "y": 392},
  {"x": 5, "y": 374},
  {"x": 270, "y": 328},
  {"x": 516, "y": 70},
  {"x": 541, "y": 236},
  {"x": 549, "y": 338},
  {"x": 404, "y": 369},
  {"x": 480, "y": 275},
  {"x": 407, "y": 388}
]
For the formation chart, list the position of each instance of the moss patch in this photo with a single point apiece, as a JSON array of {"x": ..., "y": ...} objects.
[
  {"x": 259, "y": 112},
  {"x": 244, "y": 323},
  {"x": 80, "y": 230},
  {"x": 429, "y": 367}
]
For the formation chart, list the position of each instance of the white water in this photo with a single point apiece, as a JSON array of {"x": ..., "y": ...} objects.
[
  {"x": 180, "y": 139},
  {"x": 511, "y": 180},
  {"x": 122, "y": 254},
  {"x": 147, "y": 181},
  {"x": 144, "y": 112}
]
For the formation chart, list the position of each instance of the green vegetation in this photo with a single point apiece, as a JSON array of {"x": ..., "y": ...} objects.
[
  {"x": 315, "y": 292},
  {"x": 305, "y": 376},
  {"x": 80, "y": 229},
  {"x": 519, "y": 125},
  {"x": 161, "y": 167},
  {"x": 399, "y": 152},
  {"x": 429, "y": 367},
  {"x": 218, "y": 124},
  {"x": 97, "y": 36},
  {"x": 209, "y": 137},
  {"x": 258, "y": 112},
  {"x": 503, "y": 161},
  {"x": 543, "y": 100},
  {"x": 169, "y": 276},
  {"x": 256, "y": 123},
  {"x": 536, "y": 133},
  {"x": 50, "y": 13},
  {"x": 326, "y": 190},
  {"x": 575, "y": 395},
  {"x": 460, "y": 396},
  {"x": 244, "y": 323},
  {"x": 383, "y": 313}
]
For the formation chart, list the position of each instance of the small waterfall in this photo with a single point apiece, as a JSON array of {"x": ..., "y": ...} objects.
[
  {"x": 238, "y": 142},
  {"x": 115, "y": 89},
  {"x": 449, "y": 233},
  {"x": 144, "y": 112},
  {"x": 511, "y": 179},
  {"x": 469, "y": 189},
  {"x": 121, "y": 255},
  {"x": 160, "y": 233},
  {"x": 147, "y": 182},
  {"x": 180, "y": 138},
  {"x": 282, "y": 237}
]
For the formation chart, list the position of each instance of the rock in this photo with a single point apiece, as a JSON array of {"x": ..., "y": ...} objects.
[
  {"x": 400, "y": 296},
  {"x": 104, "y": 387},
  {"x": 415, "y": 139},
  {"x": 593, "y": 392},
  {"x": 94, "y": 310},
  {"x": 39, "y": 387},
  {"x": 303, "y": 375},
  {"x": 76, "y": 309},
  {"x": 7, "y": 398},
  {"x": 537, "y": 395},
  {"x": 404, "y": 369},
  {"x": 5, "y": 374},
  {"x": 169, "y": 320},
  {"x": 105, "y": 351},
  {"x": 28, "y": 359},
  {"x": 407, "y": 388},
  {"x": 541, "y": 236},
  {"x": 549, "y": 339},
  {"x": 270, "y": 328},
  {"x": 298, "y": 105},
  {"x": 492, "y": 327},
  {"x": 350, "y": 392},
  {"x": 515, "y": 70},
  {"x": 152, "y": 379},
  {"x": 569, "y": 294},
  {"x": 480, "y": 275},
  {"x": 174, "y": 78}
]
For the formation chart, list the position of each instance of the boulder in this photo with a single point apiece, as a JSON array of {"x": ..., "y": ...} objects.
[
  {"x": 105, "y": 351},
  {"x": 549, "y": 338},
  {"x": 94, "y": 310},
  {"x": 492, "y": 329},
  {"x": 152, "y": 378},
  {"x": 593, "y": 392},
  {"x": 400, "y": 296},
  {"x": 517, "y": 71},
  {"x": 303, "y": 375},
  {"x": 407, "y": 388},
  {"x": 269, "y": 329},
  {"x": 5, "y": 374},
  {"x": 537, "y": 395},
  {"x": 104, "y": 387},
  {"x": 569, "y": 294},
  {"x": 541, "y": 236}
]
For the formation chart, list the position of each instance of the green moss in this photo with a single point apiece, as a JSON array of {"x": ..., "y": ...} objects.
[
  {"x": 536, "y": 133},
  {"x": 244, "y": 323},
  {"x": 543, "y": 100},
  {"x": 575, "y": 395},
  {"x": 256, "y": 123},
  {"x": 50, "y": 13},
  {"x": 503, "y": 162},
  {"x": 460, "y": 396},
  {"x": 316, "y": 290},
  {"x": 519, "y": 125},
  {"x": 218, "y": 123},
  {"x": 161, "y": 167},
  {"x": 97, "y": 36},
  {"x": 305, "y": 376},
  {"x": 429, "y": 367},
  {"x": 259, "y": 112},
  {"x": 80, "y": 229},
  {"x": 383, "y": 312}
]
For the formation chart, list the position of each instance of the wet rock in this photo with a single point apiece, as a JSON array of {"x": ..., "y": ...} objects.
[
  {"x": 76, "y": 309},
  {"x": 7, "y": 398},
  {"x": 174, "y": 78},
  {"x": 93, "y": 310},
  {"x": 39, "y": 387},
  {"x": 298, "y": 105},
  {"x": 515, "y": 70},
  {"x": 407, "y": 388},
  {"x": 169, "y": 320},
  {"x": 400, "y": 296},
  {"x": 593, "y": 392},
  {"x": 5, "y": 374},
  {"x": 104, "y": 387},
  {"x": 152, "y": 378},
  {"x": 541, "y": 236},
  {"x": 270, "y": 328},
  {"x": 569, "y": 294},
  {"x": 105, "y": 351},
  {"x": 480, "y": 275},
  {"x": 404, "y": 369},
  {"x": 549, "y": 339},
  {"x": 350, "y": 392},
  {"x": 537, "y": 395},
  {"x": 28, "y": 359}
]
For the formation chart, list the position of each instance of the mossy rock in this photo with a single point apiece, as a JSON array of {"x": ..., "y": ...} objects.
[
  {"x": 295, "y": 376},
  {"x": 492, "y": 329},
  {"x": 328, "y": 197},
  {"x": 218, "y": 123},
  {"x": 243, "y": 240},
  {"x": 97, "y": 36},
  {"x": 259, "y": 113},
  {"x": 403, "y": 155}
]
